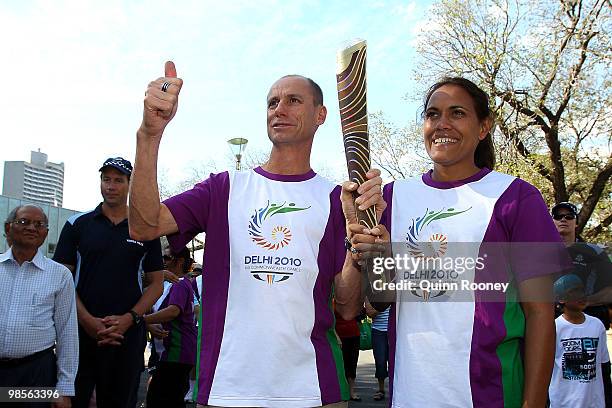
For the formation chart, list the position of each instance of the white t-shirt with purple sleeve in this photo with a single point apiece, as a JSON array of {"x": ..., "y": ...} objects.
[
  {"x": 451, "y": 351},
  {"x": 273, "y": 246}
]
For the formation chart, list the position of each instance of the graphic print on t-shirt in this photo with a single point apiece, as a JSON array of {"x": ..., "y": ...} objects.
[
  {"x": 428, "y": 244},
  {"x": 579, "y": 359},
  {"x": 272, "y": 234},
  {"x": 272, "y": 331}
]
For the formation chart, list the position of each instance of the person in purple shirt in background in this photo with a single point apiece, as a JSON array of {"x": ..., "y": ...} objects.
[{"x": 173, "y": 327}]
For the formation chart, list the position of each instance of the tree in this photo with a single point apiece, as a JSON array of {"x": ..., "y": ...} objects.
[
  {"x": 196, "y": 172},
  {"x": 546, "y": 65},
  {"x": 397, "y": 151}
]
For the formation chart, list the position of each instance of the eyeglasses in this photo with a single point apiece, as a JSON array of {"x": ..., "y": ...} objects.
[
  {"x": 567, "y": 217},
  {"x": 39, "y": 225}
]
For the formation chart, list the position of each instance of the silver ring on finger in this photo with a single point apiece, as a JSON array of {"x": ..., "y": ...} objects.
[{"x": 165, "y": 86}]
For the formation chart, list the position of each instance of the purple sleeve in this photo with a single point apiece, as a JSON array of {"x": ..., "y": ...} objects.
[
  {"x": 529, "y": 216},
  {"x": 388, "y": 197},
  {"x": 180, "y": 294},
  {"x": 190, "y": 209},
  {"x": 339, "y": 225},
  {"x": 536, "y": 246}
]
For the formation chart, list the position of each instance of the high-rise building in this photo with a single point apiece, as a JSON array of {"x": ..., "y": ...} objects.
[{"x": 39, "y": 180}]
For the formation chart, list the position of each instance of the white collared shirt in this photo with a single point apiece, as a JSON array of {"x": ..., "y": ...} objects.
[{"x": 38, "y": 310}]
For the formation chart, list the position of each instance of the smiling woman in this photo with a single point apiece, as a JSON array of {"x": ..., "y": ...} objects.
[
  {"x": 482, "y": 335},
  {"x": 457, "y": 129}
]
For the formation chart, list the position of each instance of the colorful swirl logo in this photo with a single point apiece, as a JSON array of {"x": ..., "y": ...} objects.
[
  {"x": 279, "y": 235},
  {"x": 437, "y": 245}
]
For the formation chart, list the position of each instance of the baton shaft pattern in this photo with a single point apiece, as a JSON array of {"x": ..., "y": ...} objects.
[{"x": 354, "y": 119}]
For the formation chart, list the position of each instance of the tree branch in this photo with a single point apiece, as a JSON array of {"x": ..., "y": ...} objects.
[
  {"x": 555, "y": 68},
  {"x": 592, "y": 233},
  {"x": 513, "y": 136},
  {"x": 595, "y": 192},
  {"x": 510, "y": 98},
  {"x": 571, "y": 83}
]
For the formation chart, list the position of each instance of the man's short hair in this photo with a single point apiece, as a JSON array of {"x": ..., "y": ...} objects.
[
  {"x": 12, "y": 215},
  {"x": 317, "y": 93}
]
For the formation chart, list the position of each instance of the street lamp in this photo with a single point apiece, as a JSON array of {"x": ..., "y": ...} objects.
[{"x": 238, "y": 144}]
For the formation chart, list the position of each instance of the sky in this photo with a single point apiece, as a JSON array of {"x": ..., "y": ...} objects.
[{"x": 75, "y": 73}]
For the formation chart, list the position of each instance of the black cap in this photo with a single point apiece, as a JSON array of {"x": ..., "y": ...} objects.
[
  {"x": 568, "y": 206},
  {"x": 119, "y": 163}
]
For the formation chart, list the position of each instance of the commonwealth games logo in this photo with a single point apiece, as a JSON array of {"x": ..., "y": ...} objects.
[
  {"x": 277, "y": 236},
  {"x": 434, "y": 248},
  {"x": 437, "y": 245}
]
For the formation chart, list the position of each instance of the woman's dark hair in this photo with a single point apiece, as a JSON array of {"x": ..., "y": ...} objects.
[{"x": 484, "y": 156}]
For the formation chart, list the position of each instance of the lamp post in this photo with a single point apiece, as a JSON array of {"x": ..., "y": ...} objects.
[{"x": 238, "y": 145}]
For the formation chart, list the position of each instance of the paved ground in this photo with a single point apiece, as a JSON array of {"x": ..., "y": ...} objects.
[{"x": 365, "y": 385}]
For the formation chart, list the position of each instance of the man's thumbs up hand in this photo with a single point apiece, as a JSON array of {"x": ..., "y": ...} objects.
[{"x": 161, "y": 102}]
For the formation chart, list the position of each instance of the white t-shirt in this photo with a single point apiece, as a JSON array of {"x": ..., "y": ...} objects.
[
  {"x": 273, "y": 247},
  {"x": 159, "y": 343},
  {"x": 451, "y": 347},
  {"x": 577, "y": 380}
]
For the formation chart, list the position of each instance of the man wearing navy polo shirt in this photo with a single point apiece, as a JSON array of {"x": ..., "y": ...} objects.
[{"x": 107, "y": 266}]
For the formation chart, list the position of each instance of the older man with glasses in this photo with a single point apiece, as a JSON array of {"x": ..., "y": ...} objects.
[{"x": 38, "y": 327}]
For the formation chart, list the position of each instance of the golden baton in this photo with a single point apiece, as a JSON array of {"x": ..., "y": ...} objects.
[{"x": 351, "y": 78}]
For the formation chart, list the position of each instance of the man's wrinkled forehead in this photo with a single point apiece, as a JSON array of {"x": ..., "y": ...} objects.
[
  {"x": 290, "y": 86},
  {"x": 30, "y": 212}
]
